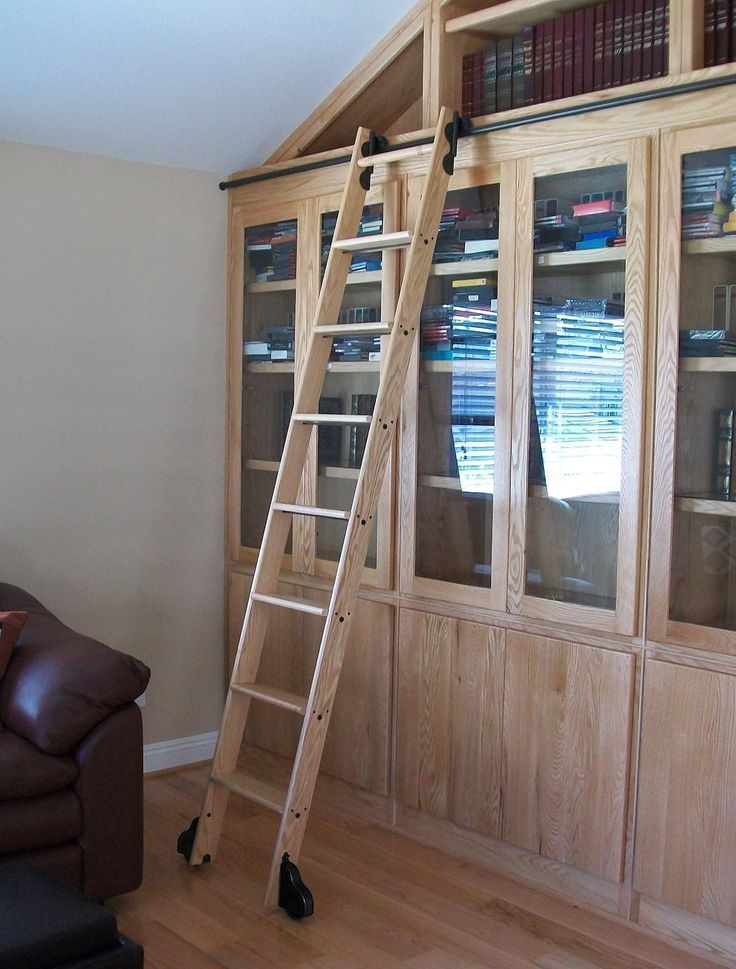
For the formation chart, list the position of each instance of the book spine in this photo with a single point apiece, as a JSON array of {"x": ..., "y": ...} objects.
[
  {"x": 732, "y": 43},
  {"x": 489, "y": 79},
  {"x": 517, "y": 71},
  {"x": 477, "y": 88},
  {"x": 647, "y": 37},
  {"x": 538, "y": 64},
  {"x": 528, "y": 43},
  {"x": 504, "y": 54},
  {"x": 558, "y": 57},
  {"x": 722, "y": 31},
  {"x": 578, "y": 47},
  {"x": 627, "y": 42},
  {"x": 637, "y": 37},
  {"x": 467, "y": 85},
  {"x": 618, "y": 43},
  {"x": 709, "y": 33},
  {"x": 568, "y": 54},
  {"x": 588, "y": 49},
  {"x": 608, "y": 21},
  {"x": 660, "y": 9},
  {"x": 598, "y": 46},
  {"x": 548, "y": 58}
]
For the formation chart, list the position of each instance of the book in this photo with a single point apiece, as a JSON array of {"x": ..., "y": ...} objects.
[
  {"x": 637, "y": 37},
  {"x": 627, "y": 42},
  {"x": 538, "y": 71},
  {"x": 504, "y": 58},
  {"x": 548, "y": 50},
  {"x": 608, "y": 25},
  {"x": 722, "y": 31},
  {"x": 558, "y": 57},
  {"x": 489, "y": 79},
  {"x": 724, "y": 483},
  {"x": 578, "y": 62},
  {"x": 517, "y": 71},
  {"x": 588, "y": 49},
  {"x": 476, "y": 91},
  {"x": 598, "y": 38},
  {"x": 618, "y": 43},
  {"x": 568, "y": 54},
  {"x": 709, "y": 33},
  {"x": 467, "y": 85},
  {"x": 597, "y": 208},
  {"x": 658, "y": 39},
  {"x": 528, "y": 43},
  {"x": 329, "y": 438},
  {"x": 647, "y": 39}
]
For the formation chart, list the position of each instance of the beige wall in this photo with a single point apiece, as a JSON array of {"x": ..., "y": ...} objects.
[{"x": 112, "y": 341}]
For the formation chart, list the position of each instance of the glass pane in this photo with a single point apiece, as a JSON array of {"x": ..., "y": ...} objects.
[
  {"x": 576, "y": 400},
  {"x": 351, "y": 386},
  {"x": 703, "y": 586},
  {"x": 457, "y": 394},
  {"x": 268, "y": 366}
]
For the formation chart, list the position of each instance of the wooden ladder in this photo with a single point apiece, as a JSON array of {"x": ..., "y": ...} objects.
[{"x": 199, "y": 842}]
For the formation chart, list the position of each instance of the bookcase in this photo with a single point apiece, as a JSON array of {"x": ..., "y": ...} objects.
[{"x": 542, "y": 675}]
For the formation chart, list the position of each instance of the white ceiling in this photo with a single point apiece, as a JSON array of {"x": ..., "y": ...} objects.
[{"x": 215, "y": 86}]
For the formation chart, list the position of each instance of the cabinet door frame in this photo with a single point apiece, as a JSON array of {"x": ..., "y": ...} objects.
[
  {"x": 635, "y": 153},
  {"x": 243, "y": 218},
  {"x": 503, "y": 174},
  {"x": 675, "y": 143}
]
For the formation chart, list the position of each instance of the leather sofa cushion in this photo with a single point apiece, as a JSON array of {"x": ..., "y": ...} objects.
[
  {"x": 11, "y": 624},
  {"x": 39, "y": 822},
  {"x": 53, "y": 696},
  {"x": 26, "y": 772}
]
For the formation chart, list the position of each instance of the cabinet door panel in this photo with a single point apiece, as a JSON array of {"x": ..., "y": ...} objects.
[
  {"x": 685, "y": 842},
  {"x": 566, "y": 735},
  {"x": 449, "y": 719}
]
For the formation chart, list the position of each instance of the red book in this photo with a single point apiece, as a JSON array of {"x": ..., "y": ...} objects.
[
  {"x": 722, "y": 31},
  {"x": 618, "y": 42},
  {"x": 609, "y": 16},
  {"x": 598, "y": 46},
  {"x": 637, "y": 36},
  {"x": 709, "y": 33},
  {"x": 660, "y": 15},
  {"x": 588, "y": 49},
  {"x": 647, "y": 36},
  {"x": 538, "y": 63},
  {"x": 568, "y": 53},
  {"x": 628, "y": 42},
  {"x": 558, "y": 57},
  {"x": 548, "y": 56},
  {"x": 528, "y": 42},
  {"x": 467, "y": 80},
  {"x": 603, "y": 207},
  {"x": 578, "y": 61}
]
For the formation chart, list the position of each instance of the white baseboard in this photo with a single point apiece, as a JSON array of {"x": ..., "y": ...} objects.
[{"x": 176, "y": 753}]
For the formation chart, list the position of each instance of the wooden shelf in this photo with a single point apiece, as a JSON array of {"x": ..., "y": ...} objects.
[
  {"x": 708, "y": 364},
  {"x": 706, "y": 506},
  {"x": 721, "y": 245},
  {"x": 584, "y": 261},
  {"x": 455, "y": 366},
  {"x": 464, "y": 267},
  {"x": 264, "y": 366},
  {"x": 507, "y": 19},
  {"x": 276, "y": 286}
]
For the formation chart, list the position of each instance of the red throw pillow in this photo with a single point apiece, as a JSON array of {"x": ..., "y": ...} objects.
[{"x": 11, "y": 624}]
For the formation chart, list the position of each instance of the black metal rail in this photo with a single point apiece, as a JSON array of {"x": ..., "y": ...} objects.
[{"x": 468, "y": 129}]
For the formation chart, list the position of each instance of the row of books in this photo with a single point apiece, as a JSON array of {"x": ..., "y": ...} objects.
[
  {"x": 601, "y": 46},
  {"x": 597, "y": 221},
  {"x": 709, "y": 200},
  {"x": 271, "y": 251},
  {"x": 466, "y": 234},
  {"x": 719, "y": 32}
]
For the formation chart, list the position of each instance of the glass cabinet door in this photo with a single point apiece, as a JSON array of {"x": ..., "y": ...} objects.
[
  {"x": 693, "y": 582},
  {"x": 581, "y": 277},
  {"x": 262, "y": 369},
  {"x": 459, "y": 445}
]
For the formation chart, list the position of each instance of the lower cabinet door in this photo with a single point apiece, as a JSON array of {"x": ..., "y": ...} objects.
[
  {"x": 567, "y": 716},
  {"x": 449, "y": 719},
  {"x": 685, "y": 849}
]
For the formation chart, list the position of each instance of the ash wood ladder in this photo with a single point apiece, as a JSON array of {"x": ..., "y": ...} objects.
[{"x": 199, "y": 842}]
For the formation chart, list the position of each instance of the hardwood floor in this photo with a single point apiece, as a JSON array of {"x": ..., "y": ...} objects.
[{"x": 381, "y": 902}]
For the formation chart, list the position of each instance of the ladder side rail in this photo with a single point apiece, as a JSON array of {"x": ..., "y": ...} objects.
[
  {"x": 365, "y": 502},
  {"x": 276, "y": 531}
]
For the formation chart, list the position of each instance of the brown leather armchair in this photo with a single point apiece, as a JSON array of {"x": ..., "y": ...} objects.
[{"x": 71, "y": 755}]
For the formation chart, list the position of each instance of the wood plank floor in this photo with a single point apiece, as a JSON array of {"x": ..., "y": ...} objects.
[{"x": 381, "y": 902}]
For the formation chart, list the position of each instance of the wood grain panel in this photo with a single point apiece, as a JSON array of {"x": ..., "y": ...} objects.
[
  {"x": 449, "y": 719},
  {"x": 566, "y": 734},
  {"x": 686, "y": 819}
]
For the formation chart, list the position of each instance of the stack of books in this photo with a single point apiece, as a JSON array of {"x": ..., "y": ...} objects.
[
  {"x": 272, "y": 251},
  {"x": 276, "y": 344},
  {"x": 579, "y": 327},
  {"x": 706, "y": 201},
  {"x": 465, "y": 329},
  {"x": 598, "y": 47},
  {"x": 356, "y": 349},
  {"x": 719, "y": 32},
  {"x": 707, "y": 343},
  {"x": 466, "y": 234},
  {"x": 597, "y": 220}
]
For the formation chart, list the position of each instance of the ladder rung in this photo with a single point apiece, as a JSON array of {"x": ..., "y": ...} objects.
[
  {"x": 386, "y": 240},
  {"x": 311, "y": 510},
  {"x": 271, "y": 694},
  {"x": 332, "y": 418},
  {"x": 300, "y": 605},
  {"x": 395, "y": 155},
  {"x": 345, "y": 329},
  {"x": 253, "y": 789}
]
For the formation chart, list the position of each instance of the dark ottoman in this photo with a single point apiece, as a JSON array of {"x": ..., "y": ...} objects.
[{"x": 44, "y": 924}]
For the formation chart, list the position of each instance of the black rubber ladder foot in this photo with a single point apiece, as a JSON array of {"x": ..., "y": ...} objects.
[{"x": 294, "y": 896}]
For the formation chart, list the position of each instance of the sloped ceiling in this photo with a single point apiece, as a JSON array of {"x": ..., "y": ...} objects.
[{"x": 214, "y": 86}]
